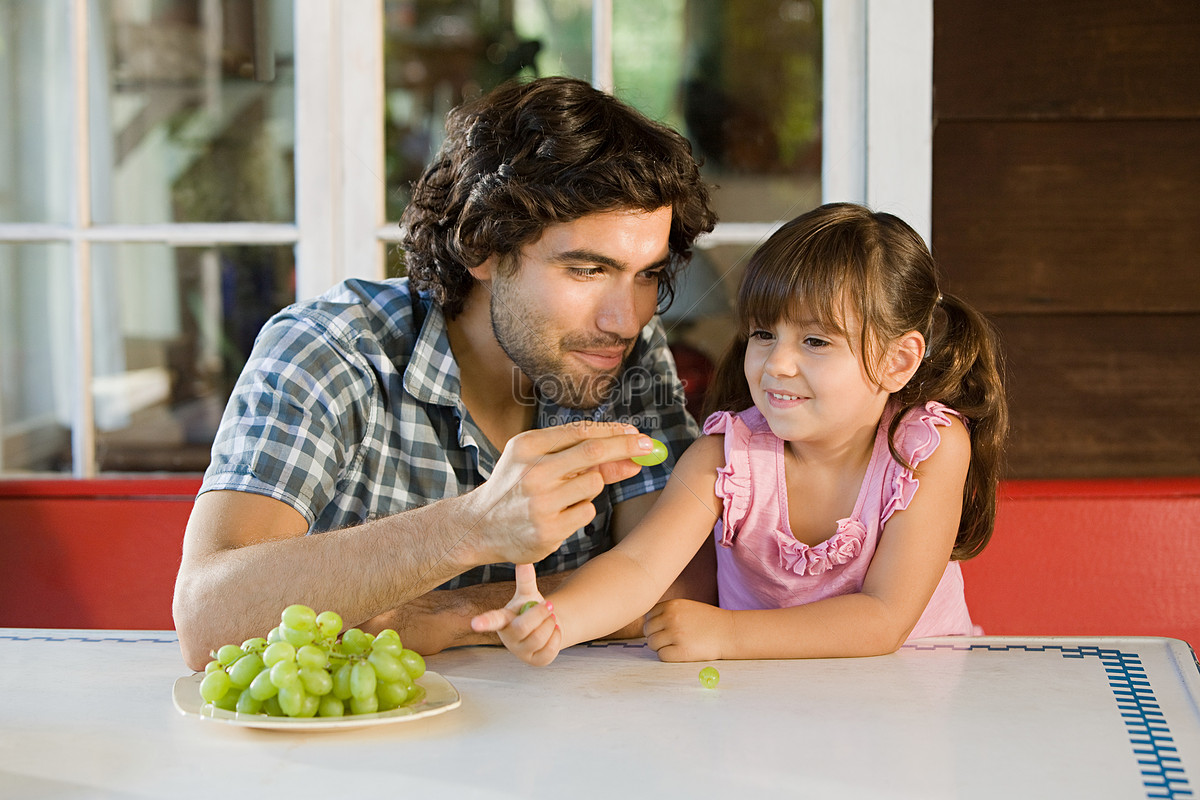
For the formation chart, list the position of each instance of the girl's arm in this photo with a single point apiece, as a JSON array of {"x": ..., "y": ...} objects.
[
  {"x": 625, "y": 582},
  {"x": 908, "y": 564}
]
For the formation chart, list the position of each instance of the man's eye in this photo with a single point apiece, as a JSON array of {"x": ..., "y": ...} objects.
[{"x": 585, "y": 272}]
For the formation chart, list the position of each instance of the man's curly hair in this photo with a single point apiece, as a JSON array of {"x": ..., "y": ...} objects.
[{"x": 533, "y": 154}]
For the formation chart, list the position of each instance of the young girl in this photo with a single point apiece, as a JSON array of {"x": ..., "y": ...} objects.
[{"x": 851, "y": 461}]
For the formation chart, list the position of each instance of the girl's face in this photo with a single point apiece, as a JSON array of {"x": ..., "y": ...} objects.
[{"x": 810, "y": 383}]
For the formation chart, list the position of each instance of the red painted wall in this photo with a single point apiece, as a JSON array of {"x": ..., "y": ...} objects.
[
  {"x": 91, "y": 553},
  {"x": 1119, "y": 557},
  {"x": 1092, "y": 557}
]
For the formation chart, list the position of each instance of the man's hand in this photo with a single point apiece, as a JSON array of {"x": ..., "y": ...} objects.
[{"x": 542, "y": 488}]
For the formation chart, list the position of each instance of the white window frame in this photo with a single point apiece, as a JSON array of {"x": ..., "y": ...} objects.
[{"x": 877, "y": 134}]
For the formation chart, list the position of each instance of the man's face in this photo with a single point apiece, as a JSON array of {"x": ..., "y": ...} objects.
[{"x": 570, "y": 308}]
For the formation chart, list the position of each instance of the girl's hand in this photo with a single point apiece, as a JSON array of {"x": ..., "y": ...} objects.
[
  {"x": 533, "y": 635},
  {"x": 684, "y": 630}
]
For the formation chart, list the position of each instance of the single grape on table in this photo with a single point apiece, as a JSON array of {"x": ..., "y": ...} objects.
[
  {"x": 308, "y": 667},
  {"x": 709, "y": 677}
]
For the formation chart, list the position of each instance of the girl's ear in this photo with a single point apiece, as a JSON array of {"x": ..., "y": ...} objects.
[{"x": 903, "y": 357}]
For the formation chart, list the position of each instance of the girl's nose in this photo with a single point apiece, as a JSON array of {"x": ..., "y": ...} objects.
[{"x": 781, "y": 360}]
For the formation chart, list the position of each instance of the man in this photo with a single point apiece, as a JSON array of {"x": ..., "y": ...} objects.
[{"x": 435, "y": 430}]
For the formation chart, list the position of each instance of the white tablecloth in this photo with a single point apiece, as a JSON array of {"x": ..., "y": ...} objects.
[{"x": 89, "y": 714}]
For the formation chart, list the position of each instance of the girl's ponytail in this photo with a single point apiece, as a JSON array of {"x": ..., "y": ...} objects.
[{"x": 963, "y": 368}]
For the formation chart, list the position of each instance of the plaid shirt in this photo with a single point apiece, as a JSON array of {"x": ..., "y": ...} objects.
[{"x": 349, "y": 409}]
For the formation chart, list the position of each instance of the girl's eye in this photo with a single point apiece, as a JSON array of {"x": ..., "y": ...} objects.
[
  {"x": 761, "y": 335},
  {"x": 815, "y": 343}
]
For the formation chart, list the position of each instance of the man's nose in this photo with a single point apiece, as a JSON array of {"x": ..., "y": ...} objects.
[{"x": 620, "y": 314}]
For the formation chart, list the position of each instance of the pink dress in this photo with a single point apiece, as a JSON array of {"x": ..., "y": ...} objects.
[{"x": 761, "y": 565}]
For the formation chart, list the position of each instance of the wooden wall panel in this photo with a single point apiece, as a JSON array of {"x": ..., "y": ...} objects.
[
  {"x": 1102, "y": 59},
  {"x": 1066, "y": 155},
  {"x": 1070, "y": 216},
  {"x": 1103, "y": 395}
]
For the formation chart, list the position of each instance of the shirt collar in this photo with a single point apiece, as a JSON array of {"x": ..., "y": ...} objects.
[{"x": 432, "y": 375}]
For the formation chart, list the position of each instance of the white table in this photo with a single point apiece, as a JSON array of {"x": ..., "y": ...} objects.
[{"x": 89, "y": 714}]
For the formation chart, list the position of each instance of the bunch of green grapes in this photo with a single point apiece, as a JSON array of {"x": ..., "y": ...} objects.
[{"x": 302, "y": 669}]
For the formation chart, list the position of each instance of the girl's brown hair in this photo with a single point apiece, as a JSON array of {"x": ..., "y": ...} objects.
[{"x": 843, "y": 257}]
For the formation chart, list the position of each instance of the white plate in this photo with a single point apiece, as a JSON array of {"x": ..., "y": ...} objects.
[{"x": 440, "y": 697}]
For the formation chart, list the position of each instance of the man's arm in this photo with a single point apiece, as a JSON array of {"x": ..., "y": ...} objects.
[
  {"x": 442, "y": 618},
  {"x": 246, "y": 556}
]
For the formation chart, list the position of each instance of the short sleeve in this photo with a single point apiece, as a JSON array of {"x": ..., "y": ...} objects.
[
  {"x": 916, "y": 439},
  {"x": 734, "y": 486},
  {"x": 293, "y": 419}
]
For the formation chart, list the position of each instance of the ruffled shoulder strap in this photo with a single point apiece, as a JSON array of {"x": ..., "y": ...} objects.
[
  {"x": 735, "y": 484},
  {"x": 916, "y": 439}
]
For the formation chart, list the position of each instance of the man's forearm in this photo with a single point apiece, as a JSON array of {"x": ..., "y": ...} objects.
[
  {"x": 232, "y": 594},
  {"x": 442, "y": 618}
]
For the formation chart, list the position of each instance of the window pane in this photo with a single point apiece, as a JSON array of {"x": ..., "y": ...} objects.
[
  {"x": 35, "y": 111},
  {"x": 173, "y": 328},
  {"x": 438, "y": 53},
  {"x": 192, "y": 112},
  {"x": 36, "y": 347},
  {"x": 745, "y": 86}
]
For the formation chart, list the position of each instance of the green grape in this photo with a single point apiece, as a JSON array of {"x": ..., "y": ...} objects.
[
  {"x": 245, "y": 670},
  {"x": 329, "y": 624},
  {"x": 299, "y": 617},
  {"x": 387, "y": 666},
  {"x": 331, "y": 707},
  {"x": 657, "y": 455},
  {"x": 341, "y": 681},
  {"x": 286, "y": 675},
  {"x": 354, "y": 642},
  {"x": 212, "y": 666},
  {"x": 404, "y": 680},
  {"x": 386, "y": 635},
  {"x": 526, "y": 606},
  {"x": 316, "y": 680},
  {"x": 271, "y": 706},
  {"x": 261, "y": 687},
  {"x": 709, "y": 677},
  {"x": 364, "y": 705},
  {"x": 291, "y": 699},
  {"x": 214, "y": 686},
  {"x": 312, "y": 657},
  {"x": 229, "y": 700},
  {"x": 229, "y": 653},
  {"x": 255, "y": 644},
  {"x": 274, "y": 635},
  {"x": 392, "y": 648},
  {"x": 278, "y": 651},
  {"x": 296, "y": 636},
  {"x": 248, "y": 704},
  {"x": 310, "y": 706},
  {"x": 416, "y": 695},
  {"x": 391, "y": 695},
  {"x": 413, "y": 663},
  {"x": 362, "y": 680}
]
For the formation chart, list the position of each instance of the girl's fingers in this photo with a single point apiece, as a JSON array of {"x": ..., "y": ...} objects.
[
  {"x": 491, "y": 621},
  {"x": 527, "y": 588}
]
